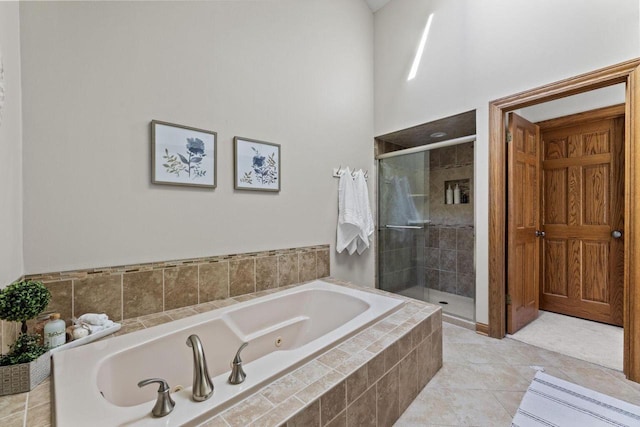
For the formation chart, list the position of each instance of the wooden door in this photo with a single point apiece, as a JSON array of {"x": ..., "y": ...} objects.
[
  {"x": 583, "y": 204},
  {"x": 523, "y": 220}
]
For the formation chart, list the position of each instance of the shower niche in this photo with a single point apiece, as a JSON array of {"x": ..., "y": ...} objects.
[{"x": 463, "y": 196}]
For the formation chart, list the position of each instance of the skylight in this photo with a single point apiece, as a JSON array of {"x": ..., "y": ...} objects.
[{"x": 423, "y": 41}]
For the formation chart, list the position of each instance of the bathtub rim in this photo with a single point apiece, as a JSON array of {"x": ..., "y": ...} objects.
[{"x": 125, "y": 342}]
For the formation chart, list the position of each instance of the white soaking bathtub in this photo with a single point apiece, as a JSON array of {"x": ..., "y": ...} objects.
[{"x": 97, "y": 384}]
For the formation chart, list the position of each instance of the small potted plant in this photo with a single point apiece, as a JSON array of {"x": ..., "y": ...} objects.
[{"x": 28, "y": 363}]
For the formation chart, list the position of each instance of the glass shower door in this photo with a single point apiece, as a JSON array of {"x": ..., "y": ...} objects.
[{"x": 402, "y": 216}]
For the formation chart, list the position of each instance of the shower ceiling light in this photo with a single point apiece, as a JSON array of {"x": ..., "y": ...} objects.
[{"x": 438, "y": 134}]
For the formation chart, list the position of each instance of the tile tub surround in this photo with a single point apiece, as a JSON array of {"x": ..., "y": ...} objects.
[
  {"x": 131, "y": 291},
  {"x": 373, "y": 376}
]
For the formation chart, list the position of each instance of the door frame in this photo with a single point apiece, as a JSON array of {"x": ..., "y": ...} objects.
[{"x": 626, "y": 72}]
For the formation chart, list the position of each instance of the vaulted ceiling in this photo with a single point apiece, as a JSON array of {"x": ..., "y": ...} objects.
[{"x": 376, "y": 4}]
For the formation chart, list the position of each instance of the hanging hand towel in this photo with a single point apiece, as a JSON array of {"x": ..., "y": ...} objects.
[
  {"x": 349, "y": 223},
  {"x": 364, "y": 211}
]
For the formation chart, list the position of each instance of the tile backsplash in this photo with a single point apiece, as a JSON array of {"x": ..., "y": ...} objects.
[{"x": 130, "y": 291}]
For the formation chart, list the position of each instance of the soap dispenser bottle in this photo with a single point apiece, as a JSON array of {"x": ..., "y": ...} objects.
[
  {"x": 54, "y": 331},
  {"x": 456, "y": 195},
  {"x": 449, "y": 195}
]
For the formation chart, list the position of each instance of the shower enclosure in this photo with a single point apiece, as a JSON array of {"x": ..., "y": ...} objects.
[{"x": 425, "y": 225}]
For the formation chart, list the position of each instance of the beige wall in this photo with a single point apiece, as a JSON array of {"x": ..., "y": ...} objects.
[
  {"x": 11, "y": 265},
  {"x": 478, "y": 51},
  {"x": 296, "y": 73}
]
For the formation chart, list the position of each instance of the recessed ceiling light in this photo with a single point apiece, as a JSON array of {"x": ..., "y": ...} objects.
[{"x": 438, "y": 134}]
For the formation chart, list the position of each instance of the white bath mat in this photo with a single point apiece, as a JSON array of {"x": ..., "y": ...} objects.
[{"x": 550, "y": 401}]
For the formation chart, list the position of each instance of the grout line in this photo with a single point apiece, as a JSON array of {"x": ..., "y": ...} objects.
[
  {"x": 26, "y": 409},
  {"x": 122, "y": 297},
  {"x": 163, "y": 270},
  {"x": 255, "y": 275},
  {"x": 228, "y": 279},
  {"x": 198, "y": 280}
]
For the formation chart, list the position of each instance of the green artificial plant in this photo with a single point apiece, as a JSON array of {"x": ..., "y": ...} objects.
[
  {"x": 19, "y": 302},
  {"x": 24, "y": 300},
  {"x": 26, "y": 349}
]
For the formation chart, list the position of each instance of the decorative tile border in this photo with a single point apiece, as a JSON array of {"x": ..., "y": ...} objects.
[
  {"x": 131, "y": 291},
  {"x": 369, "y": 379}
]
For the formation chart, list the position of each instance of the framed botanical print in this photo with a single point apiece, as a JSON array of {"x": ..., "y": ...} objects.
[
  {"x": 256, "y": 165},
  {"x": 182, "y": 155}
]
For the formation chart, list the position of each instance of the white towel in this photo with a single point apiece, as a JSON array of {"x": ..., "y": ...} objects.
[
  {"x": 95, "y": 328},
  {"x": 94, "y": 319},
  {"x": 364, "y": 210},
  {"x": 349, "y": 222}
]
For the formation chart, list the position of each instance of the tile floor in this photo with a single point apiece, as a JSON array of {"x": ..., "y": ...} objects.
[
  {"x": 483, "y": 380},
  {"x": 591, "y": 341}
]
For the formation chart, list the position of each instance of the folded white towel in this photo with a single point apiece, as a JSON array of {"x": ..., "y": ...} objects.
[
  {"x": 94, "y": 319},
  {"x": 95, "y": 328},
  {"x": 349, "y": 221}
]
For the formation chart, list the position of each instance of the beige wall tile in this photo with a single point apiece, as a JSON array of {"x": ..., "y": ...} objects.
[
  {"x": 360, "y": 412},
  {"x": 180, "y": 287},
  {"x": 242, "y": 277},
  {"x": 279, "y": 414},
  {"x": 387, "y": 398},
  {"x": 214, "y": 281},
  {"x": 61, "y": 299},
  {"x": 375, "y": 369},
  {"x": 142, "y": 293},
  {"x": 247, "y": 411},
  {"x": 266, "y": 273},
  {"x": 322, "y": 259},
  {"x": 308, "y": 417},
  {"x": 308, "y": 267},
  {"x": 424, "y": 362},
  {"x": 100, "y": 294},
  {"x": 357, "y": 384},
  {"x": 333, "y": 402},
  {"x": 339, "y": 421},
  {"x": 407, "y": 381},
  {"x": 282, "y": 389},
  {"x": 288, "y": 269}
]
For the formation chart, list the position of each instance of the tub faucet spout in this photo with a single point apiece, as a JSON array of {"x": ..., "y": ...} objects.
[{"x": 202, "y": 384}]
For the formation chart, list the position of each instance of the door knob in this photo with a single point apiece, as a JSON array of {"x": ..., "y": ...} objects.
[
  {"x": 539, "y": 233},
  {"x": 616, "y": 234}
]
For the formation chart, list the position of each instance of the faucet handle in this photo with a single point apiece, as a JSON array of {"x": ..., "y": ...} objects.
[
  {"x": 237, "y": 358},
  {"x": 164, "y": 403},
  {"x": 237, "y": 373}
]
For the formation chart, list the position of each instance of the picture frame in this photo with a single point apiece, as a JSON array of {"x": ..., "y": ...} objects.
[
  {"x": 183, "y": 155},
  {"x": 256, "y": 165}
]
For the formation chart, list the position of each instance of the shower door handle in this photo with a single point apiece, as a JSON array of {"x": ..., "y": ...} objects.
[{"x": 405, "y": 227}]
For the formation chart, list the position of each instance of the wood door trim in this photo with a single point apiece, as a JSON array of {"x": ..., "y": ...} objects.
[
  {"x": 627, "y": 72},
  {"x": 593, "y": 115}
]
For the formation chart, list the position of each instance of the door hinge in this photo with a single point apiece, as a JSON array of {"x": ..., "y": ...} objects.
[
  {"x": 508, "y": 298},
  {"x": 509, "y": 137}
]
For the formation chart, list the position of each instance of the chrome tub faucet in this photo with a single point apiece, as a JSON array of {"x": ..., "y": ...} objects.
[{"x": 202, "y": 384}]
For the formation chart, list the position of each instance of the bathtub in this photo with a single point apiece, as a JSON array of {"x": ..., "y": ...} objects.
[{"x": 97, "y": 384}]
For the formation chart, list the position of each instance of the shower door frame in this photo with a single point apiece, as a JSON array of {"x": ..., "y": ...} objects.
[
  {"x": 629, "y": 73},
  {"x": 407, "y": 151}
]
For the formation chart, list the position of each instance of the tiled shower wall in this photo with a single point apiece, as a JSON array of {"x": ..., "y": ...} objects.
[
  {"x": 449, "y": 239},
  {"x": 449, "y": 264},
  {"x": 130, "y": 291}
]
